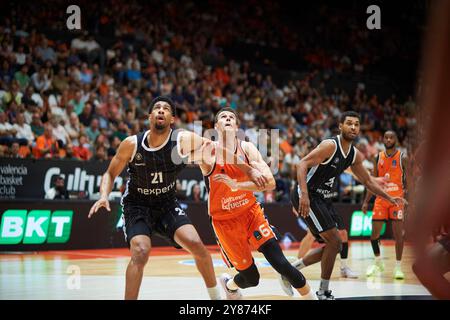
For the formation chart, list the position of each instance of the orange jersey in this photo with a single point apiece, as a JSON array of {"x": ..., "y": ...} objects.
[
  {"x": 391, "y": 168},
  {"x": 223, "y": 203}
]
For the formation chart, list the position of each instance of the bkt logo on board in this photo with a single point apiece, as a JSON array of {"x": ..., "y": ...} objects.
[{"x": 35, "y": 226}]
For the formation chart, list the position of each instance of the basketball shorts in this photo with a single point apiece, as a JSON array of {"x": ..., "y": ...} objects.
[
  {"x": 322, "y": 215},
  {"x": 384, "y": 210},
  {"x": 162, "y": 221},
  {"x": 238, "y": 236}
]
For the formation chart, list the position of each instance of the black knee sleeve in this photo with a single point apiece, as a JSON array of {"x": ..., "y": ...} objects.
[
  {"x": 272, "y": 252},
  {"x": 344, "y": 251},
  {"x": 247, "y": 278},
  {"x": 376, "y": 246}
]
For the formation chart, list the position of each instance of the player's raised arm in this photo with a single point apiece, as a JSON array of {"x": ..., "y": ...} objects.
[
  {"x": 199, "y": 150},
  {"x": 116, "y": 166},
  {"x": 256, "y": 163},
  {"x": 321, "y": 153},
  {"x": 369, "y": 181}
]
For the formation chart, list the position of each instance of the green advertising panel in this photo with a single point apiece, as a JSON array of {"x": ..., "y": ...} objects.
[
  {"x": 36, "y": 227},
  {"x": 361, "y": 224}
]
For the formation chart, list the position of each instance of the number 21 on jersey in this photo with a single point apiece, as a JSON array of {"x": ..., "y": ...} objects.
[{"x": 157, "y": 177}]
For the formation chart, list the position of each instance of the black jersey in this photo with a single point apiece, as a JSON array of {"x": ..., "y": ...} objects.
[
  {"x": 153, "y": 172},
  {"x": 322, "y": 179}
]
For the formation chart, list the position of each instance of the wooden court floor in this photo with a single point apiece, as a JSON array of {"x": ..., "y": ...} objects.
[{"x": 172, "y": 275}]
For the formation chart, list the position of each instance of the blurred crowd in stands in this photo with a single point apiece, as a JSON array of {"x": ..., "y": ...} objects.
[{"x": 78, "y": 94}]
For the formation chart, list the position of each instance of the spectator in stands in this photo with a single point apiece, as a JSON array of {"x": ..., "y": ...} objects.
[
  {"x": 195, "y": 193},
  {"x": 58, "y": 191},
  {"x": 60, "y": 81},
  {"x": 7, "y": 130},
  {"x": 22, "y": 77},
  {"x": 36, "y": 125},
  {"x": 40, "y": 80},
  {"x": 58, "y": 131},
  {"x": 81, "y": 151},
  {"x": 46, "y": 145},
  {"x": 78, "y": 103},
  {"x": 93, "y": 130},
  {"x": 73, "y": 128},
  {"x": 23, "y": 131},
  {"x": 100, "y": 154}
]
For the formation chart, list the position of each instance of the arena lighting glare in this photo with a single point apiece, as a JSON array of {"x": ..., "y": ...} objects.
[{"x": 35, "y": 227}]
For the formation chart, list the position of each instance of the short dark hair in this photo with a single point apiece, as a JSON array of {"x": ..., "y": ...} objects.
[
  {"x": 166, "y": 99},
  {"x": 352, "y": 114},
  {"x": 216, "y": 118}
]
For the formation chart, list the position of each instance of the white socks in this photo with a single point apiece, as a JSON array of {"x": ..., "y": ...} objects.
[
  {"x": 343, "y": 263},
  {"x": 324, "y": 285},
  {"x": 309, "y": 296},
  {"x": 214, "y": 293}
]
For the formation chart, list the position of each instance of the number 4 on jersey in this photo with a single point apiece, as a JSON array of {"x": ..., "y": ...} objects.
[{"x": 330, "y": 182}]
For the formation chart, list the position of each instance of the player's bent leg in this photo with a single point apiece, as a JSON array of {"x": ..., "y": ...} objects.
[
  {"x": 305, "y": 245},
  {"x": 333, "y": 245},
  {"x": 187, "y": 237},
  {"x": 140, "y": 246},
  {"x": 274, "y": 255},
  {"x": 246, "y": 278}
]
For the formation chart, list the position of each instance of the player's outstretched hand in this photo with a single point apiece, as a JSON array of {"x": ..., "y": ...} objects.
[
  {"x": 97, "y": 205},
  {"x": 227, "y": 180},
  {"x": 304, "y": 206},
  {"x": 258, "y": 178},
  {"x": 382, "y": 181}
]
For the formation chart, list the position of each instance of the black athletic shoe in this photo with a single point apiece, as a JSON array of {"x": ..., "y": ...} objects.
[{"x": 325, "y": 295}]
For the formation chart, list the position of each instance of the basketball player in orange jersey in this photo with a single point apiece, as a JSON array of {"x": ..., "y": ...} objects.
[
  {"x": 390, "y": 164},
  {"x": 149, "y": 202},
  {"x": 237, "y": 218}
]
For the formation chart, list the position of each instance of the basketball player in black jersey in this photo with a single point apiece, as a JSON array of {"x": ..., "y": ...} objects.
[
  {"x": 149, "y": 202},
  {"x": 317, "y": 174}
]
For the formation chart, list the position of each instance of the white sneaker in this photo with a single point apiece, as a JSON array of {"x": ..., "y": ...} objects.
[
  {"x": 346, "y": 272},
  {"x": 285, "y": 285},
  {"x": 230, "y": 294}
]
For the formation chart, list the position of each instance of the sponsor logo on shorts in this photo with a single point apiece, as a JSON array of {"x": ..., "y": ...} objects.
[{"x": 257, "y": 235}]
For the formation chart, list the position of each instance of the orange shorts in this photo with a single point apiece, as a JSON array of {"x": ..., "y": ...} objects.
[
  {"x": 238, "y": 236},
  {"x": 383, "y": 210}
]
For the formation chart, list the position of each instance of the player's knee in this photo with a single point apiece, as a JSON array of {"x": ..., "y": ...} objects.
[
  {"x": 139, "y": 253},
  {"x": 197, "y": 248},
  {"x": 335, "y": 243},
  {"x": 247, "y": 278}
]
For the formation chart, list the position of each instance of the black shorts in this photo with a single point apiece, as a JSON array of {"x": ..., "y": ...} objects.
[
  {"x": 322, "y": 215},
  {"x": 162, "y": 221}
]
